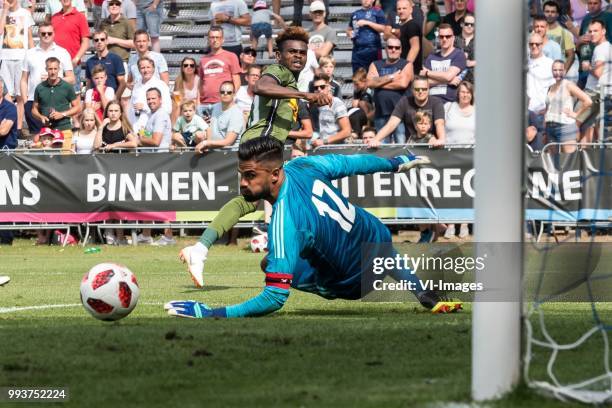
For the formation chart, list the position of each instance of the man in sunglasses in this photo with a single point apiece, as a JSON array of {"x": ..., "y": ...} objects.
[
  {"x": 444, "y": 67},
  {"x": 33, "y": 70},
  {"x": 120, "y": 31},
  {"x": 112, "y": 63},
  {"x": 273, "y": 113},
  {"x": 466, "y": 42},
  {"x": 455, "y": 18}
]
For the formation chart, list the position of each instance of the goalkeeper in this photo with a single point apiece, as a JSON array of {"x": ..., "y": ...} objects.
[
  {"x": 273, "y": 113},
  {"x": 315, "y": 236}
]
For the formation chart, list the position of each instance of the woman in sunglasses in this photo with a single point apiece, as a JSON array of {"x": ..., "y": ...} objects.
[{"x": 186, "y": 86}]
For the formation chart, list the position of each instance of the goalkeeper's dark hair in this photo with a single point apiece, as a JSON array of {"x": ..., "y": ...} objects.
[
  {"x": 291, "y": 33},
  {"x": 261, "y": 149}
]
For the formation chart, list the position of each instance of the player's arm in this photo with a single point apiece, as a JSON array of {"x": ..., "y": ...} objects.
[
  {"x": 335, "y": 166},
  {"x": 269, "y": 86}
]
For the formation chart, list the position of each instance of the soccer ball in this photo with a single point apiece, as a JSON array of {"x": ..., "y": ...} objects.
[
  {"x": 109, "y": 291},
  {"x": 259, "y": 243}
]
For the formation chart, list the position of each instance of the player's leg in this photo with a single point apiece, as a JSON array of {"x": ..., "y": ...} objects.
[{"x": 228, "y": 216}]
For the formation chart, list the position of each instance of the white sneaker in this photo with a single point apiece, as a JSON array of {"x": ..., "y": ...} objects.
[
  {"x": 164, "y": 240},
  {"x": 464, "y": 231},
  {"x": 4, "y": 280},
  {"x": 450, "y": 232},
  {"x": 141, "y": 239},
  {"x": 194, "y": 256}
]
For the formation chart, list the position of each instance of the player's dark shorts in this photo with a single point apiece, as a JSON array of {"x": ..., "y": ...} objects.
[{"x": 259, "y": 29}]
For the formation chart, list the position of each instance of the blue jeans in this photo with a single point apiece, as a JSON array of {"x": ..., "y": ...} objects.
[
  {"x": 398, "y": 136},
  {"x": 150, "y": 21},
  {"x": 77, "y": 79}
]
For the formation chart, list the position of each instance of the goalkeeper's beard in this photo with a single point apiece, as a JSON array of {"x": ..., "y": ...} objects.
[{"x": 251, "y": 197}]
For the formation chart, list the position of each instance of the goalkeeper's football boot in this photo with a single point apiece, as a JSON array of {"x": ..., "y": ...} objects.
[
  {"x": 409, "y": 161},
  {"x": 438, "y": 304},
  {"x": 194, "y": 256}
]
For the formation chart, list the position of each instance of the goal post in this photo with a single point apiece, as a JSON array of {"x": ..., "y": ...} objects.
[{"x": 499, "y": 183}]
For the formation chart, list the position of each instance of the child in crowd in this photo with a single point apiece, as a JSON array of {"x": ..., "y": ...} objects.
[
  {"x": 99, "y": 95},
  {"x": 83, "y": 140},
  {"x": 367, "y": 134},
  {"x": 327, "y": 65},
  {"x": 115, "y": 131},
  {"x": 48, "y": 139},
  {"x": 422, "y": 124},
  {"x": 261, "y": 24},
  {"x": 189, "y": 129}
]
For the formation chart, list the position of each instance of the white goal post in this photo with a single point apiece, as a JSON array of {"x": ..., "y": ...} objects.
[{"x": 499, "y": 183}]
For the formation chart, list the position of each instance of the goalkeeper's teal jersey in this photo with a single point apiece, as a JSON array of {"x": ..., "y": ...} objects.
[{"x": 315, "y": 237}]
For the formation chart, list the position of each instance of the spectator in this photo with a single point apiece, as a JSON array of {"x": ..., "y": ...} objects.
[
  {"x": 550, "y": 48},
  {"x": 558, "y": 34},
  {"x": 560, "y": 118},
  {"x": 389, "y": 79},
  {"x": 297, "y": 150},
  {"x": 245, "y": 95},
  {"x": 119, "y": 30},
  {"x": 333, "y": 124},
  {"x": 302, "y": 130},
  {"x": 128, "y": 10},
  {"x": 115, "y": 132},
  {"x": 596, "y": 11},
  {"x": 47, "y": 139},
  {"x": 364, "y": 29},
  {"x": 141, "y": 43},
  {"x": 599, "y": 67},
  {"x": 97, "y": 97},
  {"x": 298, "y": 7},
  {"x": 231, "y": 15},
  {"x": 307, "y": 74},
  {"x": 216, "y": 67},
  {"x": 84, "y": 138},
  {"x": 34, "y": 70},
  {"x": 404, "y": 112},
  {"x": 539, "y": 79},
  {"x": 247, "y": 58},
  {"x": 16, "y": 29},
  {"x": 442, "y": 68},
  {"x": 158, "y": 130},
  {"x": 327, "y": 65},
  {"x": 422, "y": 123},
  {"x": 432, "y": 21},
  {"x": 8, "y": 121},
  {"x": 186, "y": 86},
  {"x": 189, "y": 129},
  {"x": 138, "y": 111},
  {"x": 149, "y": 15},
  {"x": 367, "y": 135},
  {"x": 455, "y": 18},
  {"x": 227, "y": 123},
  {"x": 534, "y": 134},
  {"x": 362, "y": 105},
  {"x": 261, "y": 25},
  {"x": 112, "y": 63},
  {"x": 72, "y": 33},
  {"x": 466, "y": 42},
  {"x": 55, "y": 102},
  {"x": 416, "y": 15},
  {"x": 53, "y": 7},
  {"x": 322, "y": 36},
  {"x": 460, "y": 117},
  {"x": 409, "y": 32}
]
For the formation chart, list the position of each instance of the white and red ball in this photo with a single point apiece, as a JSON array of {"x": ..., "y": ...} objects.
[
  {"x": 109, "y": 291},
  {"x": 259, "y": 243}
]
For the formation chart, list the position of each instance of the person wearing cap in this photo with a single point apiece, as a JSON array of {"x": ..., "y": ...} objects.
[
  {"x": 298, "y": 6},
  {"x": 231, "y": 15},
  {"x": 120, "y": 31},
  {"x": 34, "y": 72},
  {"x": 261, "y": 24},
  {"x": 55, "y": 102},
  {"x": 322, "y": 36},
  {"x": 8, "y": 121},
  {"x": 48, "y": 139},
  {"x": 247, "y": 58},
  {"x": 128, "y": 10}
]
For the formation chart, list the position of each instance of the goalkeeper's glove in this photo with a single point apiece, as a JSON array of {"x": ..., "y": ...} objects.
[
  {"x": 191, "y": 308},
  {"x": 405, "y": 162}
]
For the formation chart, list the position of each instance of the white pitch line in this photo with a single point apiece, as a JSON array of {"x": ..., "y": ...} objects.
[{"x": 4, "y": 310}]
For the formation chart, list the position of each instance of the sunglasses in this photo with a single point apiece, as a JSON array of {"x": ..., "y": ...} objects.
[
  {"x": 535, "y": 44},
  {"x": 421, "y": 89},
  {"x": 114, "y": 4},
  {"x": 99, "y": 39},
  {"x": 320, "y": 87},
  {"x": 394, "y": 47},
  {"x": 251, "y": 53},
  {"x": 444, "y": 37},
  {"x": 188, "y": 65},
  {"x": 468, "y": 24},
  {"x": 45, "y": 33},
  {"x": 226, "y": 92}
]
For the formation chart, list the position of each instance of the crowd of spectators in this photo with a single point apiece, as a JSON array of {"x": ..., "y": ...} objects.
[{"x": 413, "y": 75}]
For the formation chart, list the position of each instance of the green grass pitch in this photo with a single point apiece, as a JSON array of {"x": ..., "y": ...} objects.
[{"x": 312, "y": 353}]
